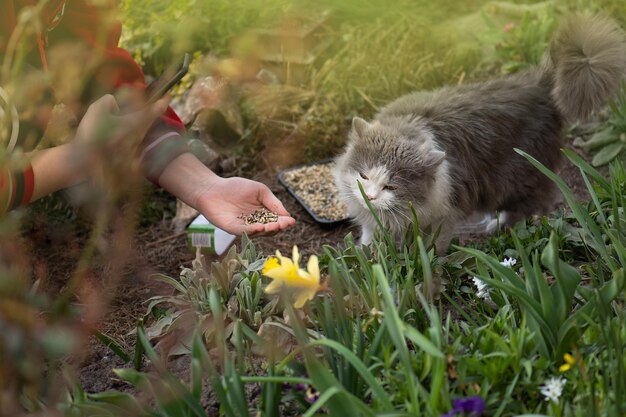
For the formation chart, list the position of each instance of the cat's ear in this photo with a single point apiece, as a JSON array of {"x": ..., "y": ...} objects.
[
  {"x": 359, "y": 125},
  {"x": 434, "y": 158}
]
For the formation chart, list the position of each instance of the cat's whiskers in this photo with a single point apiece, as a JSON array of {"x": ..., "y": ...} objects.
[{"x": 394, "y": 214}]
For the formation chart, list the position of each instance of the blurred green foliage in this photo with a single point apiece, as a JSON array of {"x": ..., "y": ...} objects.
[
  {"x": 156, "y": 30},
  {"x": 377, "y": 53}
]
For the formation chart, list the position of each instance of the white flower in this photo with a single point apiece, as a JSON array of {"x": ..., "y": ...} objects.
[
  {"x": 552, "y": 389},
  {"x": 482, "y": 290},
  {"x": 508, "y": 262}
]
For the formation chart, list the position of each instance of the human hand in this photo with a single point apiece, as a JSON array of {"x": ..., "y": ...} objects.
[
  {"x": 227, "y": 199},
  {"x": 103, "y": 124}
]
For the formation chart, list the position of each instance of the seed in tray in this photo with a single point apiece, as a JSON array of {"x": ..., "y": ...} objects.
[
  {"x": 259, "y": 216},
  {"x": 315, "y": 185}
]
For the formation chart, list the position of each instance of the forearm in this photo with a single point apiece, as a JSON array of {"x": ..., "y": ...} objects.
[
  {"x": 55, "y": 169},
  {"x": 223, "y": 200},
  {"x": 188, "y": 179}
]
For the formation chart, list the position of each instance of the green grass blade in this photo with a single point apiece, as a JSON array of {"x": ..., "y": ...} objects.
[
  {"x": 196, "y": 378},
  {"x": 276, "y": 379},
  {"x": 371, "y": 381},
  {"x": 390, "y": 240},
  {"x": 172, "y": 382},
  {"x": 271, "y": 392},
  {"x": 198, "y": 350},
  {"x": 125, "y": 401},
  {"x": 545, "y": 295},
  {"x": 607, "y": 153},
  {"x": 114, "y": 345},
  {"x": 463, "y": 312},
  {"x": 423, "y": 342},
  {"x": 585, "y": 220},
  {"x": 138, "y": 356},
  {"x": 429, "y": 284},
  {"x": 319, "y": 373},
  {"x": 395, "y": 327},
  {"x": 566, "y": 279},
  {"x": 607, "y": 293},
  {"x": 594, "y": 198},
  {"x": 507, "y": 396},
  {"x": 236, "y": 389},
  {"x": 171, "y": 281}
]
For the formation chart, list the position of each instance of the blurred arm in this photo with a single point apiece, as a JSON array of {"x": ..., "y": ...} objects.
[
  {"x": 49, "y": 170},
  {"x": 55, "y": 169},
  {"x": 60, "y": 167}
]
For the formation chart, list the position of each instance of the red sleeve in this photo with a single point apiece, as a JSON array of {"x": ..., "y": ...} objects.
[{"x": 120, "y": 69}]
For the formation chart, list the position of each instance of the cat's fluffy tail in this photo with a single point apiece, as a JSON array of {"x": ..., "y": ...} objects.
[{"x": 586, "y": 61}]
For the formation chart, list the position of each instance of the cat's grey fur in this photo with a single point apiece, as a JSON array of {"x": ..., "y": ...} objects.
[{"x": 450, "y": 152}]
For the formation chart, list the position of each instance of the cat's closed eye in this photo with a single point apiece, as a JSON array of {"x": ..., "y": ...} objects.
[
  {"x": 365, "y": 177},
  {"x": 390, "y": 187}
]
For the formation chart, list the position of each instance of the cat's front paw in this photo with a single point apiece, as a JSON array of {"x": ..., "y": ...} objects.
[
  {"x": 493, "y": 226},
  {"x": 367, "y": 234},
  {"x": 503, "y": 221}
]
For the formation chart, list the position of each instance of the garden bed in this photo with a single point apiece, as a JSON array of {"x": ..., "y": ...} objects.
[{"x": 138, "y": 284}]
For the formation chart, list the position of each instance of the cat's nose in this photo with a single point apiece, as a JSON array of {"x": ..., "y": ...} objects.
[{"x": 371, "y": 197}]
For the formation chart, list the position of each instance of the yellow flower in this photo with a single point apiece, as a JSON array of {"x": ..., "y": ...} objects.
[
  {"x": 569, "y": 363},
  {"x": 286, "y": 272}
]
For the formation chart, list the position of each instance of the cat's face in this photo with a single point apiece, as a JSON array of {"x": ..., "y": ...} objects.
[{"x": 394, "y": 169}]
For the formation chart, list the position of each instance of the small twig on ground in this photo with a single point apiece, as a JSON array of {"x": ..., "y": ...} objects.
[{"x": 165, "y": 239}]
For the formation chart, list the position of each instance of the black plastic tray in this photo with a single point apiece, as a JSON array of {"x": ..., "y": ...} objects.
[{"x": 320, "y": 220}]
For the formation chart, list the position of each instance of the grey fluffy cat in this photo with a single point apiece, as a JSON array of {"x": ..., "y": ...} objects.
[{"x": 450, "y": 152}]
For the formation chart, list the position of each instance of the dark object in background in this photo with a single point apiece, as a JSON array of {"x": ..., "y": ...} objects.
[
  {"x": 168, "y": 79},
  {"x": 313, "y": 186}
]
